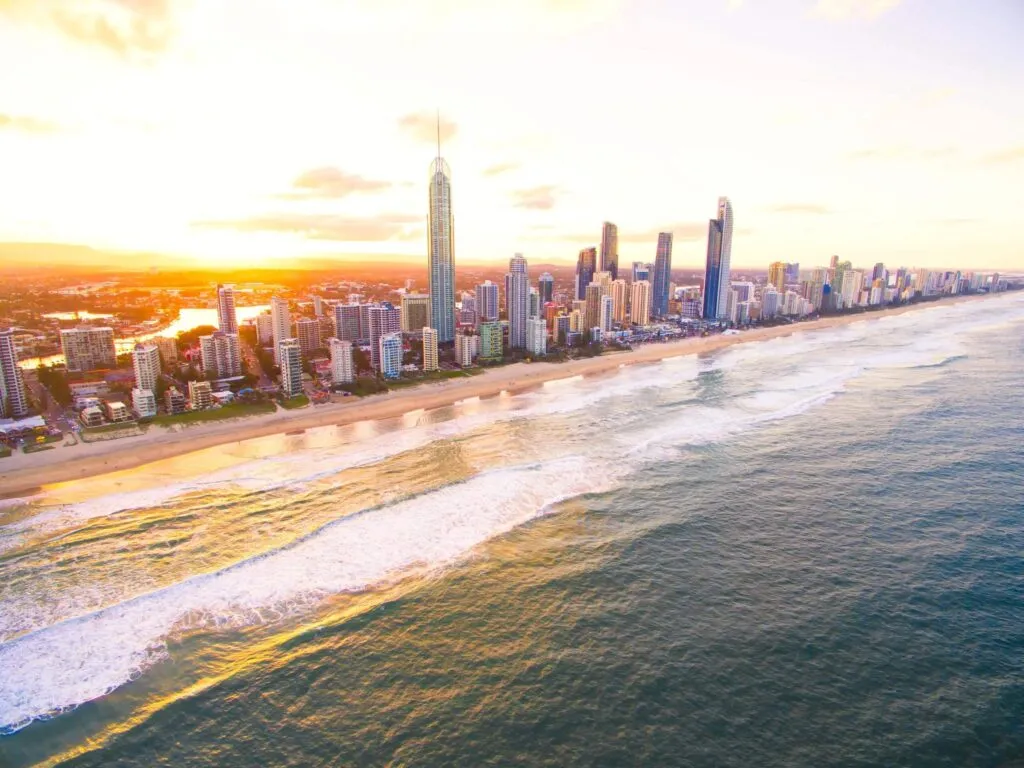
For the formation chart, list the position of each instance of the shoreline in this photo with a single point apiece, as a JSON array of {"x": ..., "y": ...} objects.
[{"x": 23, "y": 475}]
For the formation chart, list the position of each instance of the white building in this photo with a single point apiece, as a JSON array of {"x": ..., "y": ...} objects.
[
  {"x": 384, "y": 320},
  {"x": 769, "y": 303},
  {"x": 618, "y": 294},
  {"x": 640, "y": 303},
  {"x": 466, "y": 348},
  {"x": 429, "y": 349},
  {"x": 221, "y": 354},
  {"x": 143, "y": 403},
  {"x": 227, "y": 318},
  {"x": 607, "y": 313},
  {"x": 265, "y": 328},
  {"x": 200, "y": 395},
  {"x": 537, "y": 336},
  {"x": 342, "y": 367},
  {"x": 86, "y": 348},
  {"x": 146, "y": 362},
  {"x": 281, "y": 324},
  {"x": 290, "y": 360},
  {"x": 13, "y": 395},
  {"x": 518, "y": 301},
  {"x": 391, "y": 355}
]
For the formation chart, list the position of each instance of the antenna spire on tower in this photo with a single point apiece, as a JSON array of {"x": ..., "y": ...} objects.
[{"x": 439, "y": 133}]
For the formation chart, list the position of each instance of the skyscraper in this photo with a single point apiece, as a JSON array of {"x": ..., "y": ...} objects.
[
  {"x": 607, "y": 313},
  {"x": 227, "y": 319},
  {"x": 640, "y": 303},
  {"x": 586, "y": 266},
  {"x": 429, "y": 349},
  {"x": 662, "y": 275},
  {"x": 281, "y": 323},
  {"x": 390, "y": 355},
  {"x": 536, "y": 336},
  {"x": 618, "y": 294},
  {"x": 146, "y": 364},
  {"x": 610, "y": 249},
  {"x": 385, "y": 319},
  {"x": 777, "y": 275},
  {"x": 716, "y": 274},
  {"x": 546, "y": 287},
  {"x": 518, "y": 301},
  {"x": 487, "y": 301},
  {"x": 307, "y": 331},
  {"x": 221, "y": 355},
  {"x": 415, "y": 312},
  {"x": 290, "y": 360},
  {"x": 342, "y": 368},
  {"x": 440, "y": 251},
  {"x": 13, "y": 395},
  {"x": 346, "y": 322},
  {"x": 592, "y": 306},
  {"x": 86, "y": 348}
]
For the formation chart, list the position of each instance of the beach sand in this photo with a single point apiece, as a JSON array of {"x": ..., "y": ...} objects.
[{"x": 23, "y": 474}]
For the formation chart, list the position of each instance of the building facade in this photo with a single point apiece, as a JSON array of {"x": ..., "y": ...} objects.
[
  {"x": 346, "y": 322},
  {"x": 385, "y": 319},
  {"x": 536, "y": 336},
  {"x": 290, "y": 360},
  {"x": 227, "y": 317},
  {"x": 491, "y": 341},
  {"x": 307, "y": 331},
  {"x": 662, "y": 275},
  {"x": 146, "y": 364},
  {"x": 610, "y": 249},
  {"x": 87, "y": 349},
  {"x": 281, "y": 323},
  {"x": 441, "y": 252},
  {"x": 415, "y": 312},
  {"x": 717, "y": 270},
  {"x": 640, "y": 303},
  {"x": 13, "y": 393},
  {"x": 430, "y": 362},
  {"x": 518, "y": 300},
  {"x": 391, "y": 355},
  {"x": 221, "y": 354},
  {"x": 586, "y": 268},
  {"x": 342, "y": 366}
]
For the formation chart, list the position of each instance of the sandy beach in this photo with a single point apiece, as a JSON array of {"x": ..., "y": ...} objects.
[{"x": 22, "y": 474}]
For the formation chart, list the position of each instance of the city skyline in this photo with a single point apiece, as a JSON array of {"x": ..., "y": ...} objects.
[{"x": 902, "y": 159}]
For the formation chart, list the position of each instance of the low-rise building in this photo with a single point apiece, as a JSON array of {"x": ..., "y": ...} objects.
[
  {"x": 117, "y": 412},
  {"x": 92, "y": 416},
  {"x": 144, "y": 403},
  {"x": 174, "y": 401},
  {"x": 200, "y": 395}
]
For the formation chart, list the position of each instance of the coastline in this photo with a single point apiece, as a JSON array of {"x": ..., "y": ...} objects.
[{"x": 22, "y": 475}]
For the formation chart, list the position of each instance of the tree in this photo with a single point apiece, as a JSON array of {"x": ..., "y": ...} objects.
[
  {"x": 187, "y": 339},
  {"x": 360, "y": 359}
]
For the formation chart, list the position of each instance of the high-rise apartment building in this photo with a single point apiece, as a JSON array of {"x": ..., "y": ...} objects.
[
  {"x": 592, "y": 305},
  {"x": 168, "y": 349},
  {"x": 770, "y": 302},
  {"x": 281, "y": 323},
  {"x": 537, "y": 336},
  {"x": 586, "y": 267},
  {"x": 777, "y": 275},
  {"x": 227, "y": 317},
  {"x": 610, "y": 249},
  {"x": 146, "y": 364},
  {"x": 415, "y": 312},
  {"x": 642, "y": 271},
  {"x": 307, "y": 331},
  {"x": 342, "y": 367},
  {"x": 662, "y": 275},
  {"x": 346, "y": 322},
  {"x": 390, "y": 355},
  {"x": 491, "y": 341},
  {"x": 619, "y": 293},
  {"x": 607, "y": 313},
  {"x": 86, "y": 348},
  {"x": 546, "y": 288},
  {"x": 717, "y": 271},
  {"x": 441, "y": 252},
  {"x": 640, "y": 303},
  {"x": 221, "y": 354},
  {"x": 13, "y": 394},
  {"x": 290, "y": 360},
  {"x": 385, "y": 319},
  {"x": 465, "y": 349},
  {"x": 518, "y": 301},
  {"x": 487, "y": 301},
  {"x": 429, "y": 349},
  {"x": 265, "y": 328}
]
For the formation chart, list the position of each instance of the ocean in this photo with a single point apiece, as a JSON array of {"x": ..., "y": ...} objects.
[{"x": 799, "y": 552}]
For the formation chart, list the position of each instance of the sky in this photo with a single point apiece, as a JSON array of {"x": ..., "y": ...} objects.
[{"x": 236, "y": 132}]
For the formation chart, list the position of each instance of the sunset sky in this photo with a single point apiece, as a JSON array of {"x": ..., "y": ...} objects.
[{"x": 236, "y": 131}]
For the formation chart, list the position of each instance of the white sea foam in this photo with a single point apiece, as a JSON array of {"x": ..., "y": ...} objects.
[{"x": 81, "y": 659}]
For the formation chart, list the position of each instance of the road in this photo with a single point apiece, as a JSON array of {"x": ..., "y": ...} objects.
[{"x": 53, "y": 413}]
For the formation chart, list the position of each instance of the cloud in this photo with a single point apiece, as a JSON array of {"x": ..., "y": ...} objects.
[
  {"x": 332, "y": 183},
  {"x": 423, "y": 126},
  {"x": 853, "y": 10},
  {"x": 536, "y": 198},
  {"x": 26, "y": 124},
  {"x": 1005, "y": 156},
  {"x": 812, "y": 208},
  {"x": 500, "y": 168},
  {"x": 394, "y": 226},
  {"x": 125, "y": 27}
]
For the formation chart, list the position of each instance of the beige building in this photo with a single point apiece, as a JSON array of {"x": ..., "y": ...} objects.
[
  {"x": 640, "y": 303},
  {"x": 415, "y": 312},
  {"x": 429, "y": 348},
  {"x": 86, "y": 348}
]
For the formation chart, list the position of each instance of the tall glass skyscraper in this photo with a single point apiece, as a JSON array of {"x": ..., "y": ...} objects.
[
  {"x": 441, "y": 252},
  {"x": 716, "y": 274},
  {"x": 610, "y": 249},
  {"x": 518, "y": 301},
  {"x": 662, "y": 275},
  {"x": 586, "y": 266}
]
